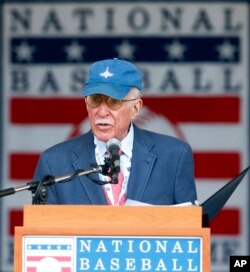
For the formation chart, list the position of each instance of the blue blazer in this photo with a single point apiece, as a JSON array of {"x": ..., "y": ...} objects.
[{"x": 162, "y": 171}]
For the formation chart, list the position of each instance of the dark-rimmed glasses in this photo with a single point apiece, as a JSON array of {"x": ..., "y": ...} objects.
[{"x": 95, "y": 100}]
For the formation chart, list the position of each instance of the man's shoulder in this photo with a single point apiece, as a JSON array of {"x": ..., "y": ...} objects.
[
  {"x": 158, "y": 138},
  {"x": 70, "y": 144}
]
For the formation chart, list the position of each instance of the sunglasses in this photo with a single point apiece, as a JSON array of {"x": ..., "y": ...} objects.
[{"x": 95, "y": 100}]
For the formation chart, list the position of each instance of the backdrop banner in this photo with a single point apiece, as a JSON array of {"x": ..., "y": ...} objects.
[{"x": 194, "y": 60}]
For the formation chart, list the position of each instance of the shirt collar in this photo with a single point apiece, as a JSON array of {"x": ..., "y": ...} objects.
[{"x": 126, "y": 144}]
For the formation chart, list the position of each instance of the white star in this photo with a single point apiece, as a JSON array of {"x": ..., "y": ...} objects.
[
  {"x": 74, "y": 51},
  {"x": 125, "y": 50},
  {"x": 226, "y": 50},
  {"x": 24, "y": 51},
  {"x": 175, "y": 50},
  {"x": 106, "y": 74}
]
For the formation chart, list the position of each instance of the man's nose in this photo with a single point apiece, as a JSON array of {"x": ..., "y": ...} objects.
[{"x": 103, "y": 108}]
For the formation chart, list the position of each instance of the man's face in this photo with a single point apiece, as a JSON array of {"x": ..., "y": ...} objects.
[{"x": 107, "y": 123}]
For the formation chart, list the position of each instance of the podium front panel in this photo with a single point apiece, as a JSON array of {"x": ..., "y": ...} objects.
[
  {"x": 89, "y": 238},
  {"x": 78, "y": 250}
]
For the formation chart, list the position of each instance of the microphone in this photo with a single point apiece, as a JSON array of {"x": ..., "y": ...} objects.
[{"x": 113, "y": 146}]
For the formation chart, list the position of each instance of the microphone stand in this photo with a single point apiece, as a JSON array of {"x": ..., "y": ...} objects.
[{"x": 39, "y": 188}]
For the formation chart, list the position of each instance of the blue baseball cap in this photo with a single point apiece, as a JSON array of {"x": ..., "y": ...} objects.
[{"x": 112, "y": 77}]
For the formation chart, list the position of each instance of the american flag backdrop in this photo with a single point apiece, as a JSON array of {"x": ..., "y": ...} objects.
[{"x": 194, "y": 60}]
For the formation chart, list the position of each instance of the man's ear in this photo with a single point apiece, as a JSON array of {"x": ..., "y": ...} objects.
[{"x": 137, "y": 107}]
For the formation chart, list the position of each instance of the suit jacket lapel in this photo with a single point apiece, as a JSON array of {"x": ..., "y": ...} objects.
[
  {"x": 83, "y": 157},
  {"x": 142, "y": 165}
]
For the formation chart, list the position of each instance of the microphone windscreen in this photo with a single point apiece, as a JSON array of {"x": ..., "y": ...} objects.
[{"x": 112, "y": 144}]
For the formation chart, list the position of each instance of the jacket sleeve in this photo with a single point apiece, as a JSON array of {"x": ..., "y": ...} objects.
[
  {"x": 42, "y": 170},
  {"x": 185, "y": 189}
]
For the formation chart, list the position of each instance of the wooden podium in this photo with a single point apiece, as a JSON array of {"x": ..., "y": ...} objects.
[{"x": 179, "y": 227}]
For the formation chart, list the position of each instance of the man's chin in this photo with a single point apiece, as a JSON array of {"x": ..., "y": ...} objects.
[{"x": 104, "y": 137}]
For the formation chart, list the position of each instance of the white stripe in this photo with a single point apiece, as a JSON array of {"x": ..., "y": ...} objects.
[
  {"x": 214, "y": 136},
  {"x": 36, "y": 138},
  {"x": 201, "y": 137},
  {"x": 207, "y": 188},
  {"x": 64, "y": 77},
  {"x": 35, "y": 264},
  {"x": 96, "y": 23}
]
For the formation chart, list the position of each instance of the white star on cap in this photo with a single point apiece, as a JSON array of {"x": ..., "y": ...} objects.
[{"x": 106, "y": 74}]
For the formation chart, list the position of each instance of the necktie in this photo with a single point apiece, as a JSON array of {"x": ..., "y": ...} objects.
[
  {"x": 116, "y": 192},
  {"x": 119, "y": 197}
]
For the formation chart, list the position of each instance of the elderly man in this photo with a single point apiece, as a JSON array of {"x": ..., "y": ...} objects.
[{"x": 155, "y": 169}]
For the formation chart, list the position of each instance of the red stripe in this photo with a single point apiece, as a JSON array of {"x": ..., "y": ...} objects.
[
  {"x": 66, "y": 269},
  {"x": 15, "y": 219},
  {"x": 227, "y": 222},
  {"x": 207, "y": 165},
  {"x": 216, "y": 164},
  {"x": 196, "y": 109},
  {"x": 22, "y": 165},
  {"x": 39, "y": 258},
  {"x": 47, "y": 110},
  {"x": 176, "y": 109},
  {"x": 31, "y": 269}
]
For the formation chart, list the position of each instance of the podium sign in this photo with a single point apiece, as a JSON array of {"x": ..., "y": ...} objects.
[
  {"x": 105, "y": 238},
  {"x": 112, "y": 253}
]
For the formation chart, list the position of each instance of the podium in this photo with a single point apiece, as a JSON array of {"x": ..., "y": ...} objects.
[{"x": 76, "y": 238}]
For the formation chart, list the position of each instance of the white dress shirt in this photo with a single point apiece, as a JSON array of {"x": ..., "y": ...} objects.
[{"x": 125, "y": 161}]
